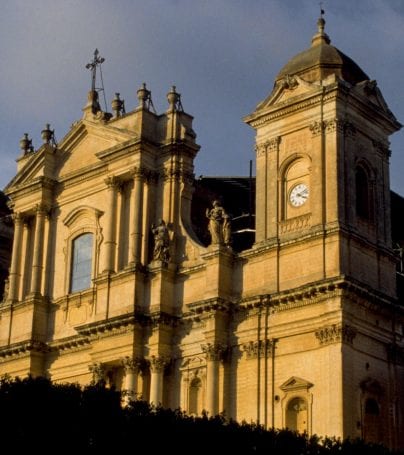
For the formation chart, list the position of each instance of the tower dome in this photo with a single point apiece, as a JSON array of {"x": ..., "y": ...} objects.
[{"x": 321, "y": 59}]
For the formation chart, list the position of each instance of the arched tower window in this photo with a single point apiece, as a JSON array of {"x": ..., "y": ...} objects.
[
  {"x": 82, "y": 258},
  {"x": 364, "y": 194},
  {"x": 296, "y": 415},
  {"x": 195, "y": 396}
]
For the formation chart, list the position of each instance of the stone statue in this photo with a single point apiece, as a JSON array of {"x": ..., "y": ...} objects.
[
  {"x": 161, "y": 251},
  {"x": 219, "y": 225},
  {"x": 6, "y": 289}
]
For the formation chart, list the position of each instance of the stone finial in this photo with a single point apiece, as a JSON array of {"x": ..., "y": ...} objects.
[
  {"x": 320, "y": 37},
  {"x": 26, "y": 144},
  {"x": 118, "y": 106},
  {"x": 47, "y": 134},
  {"x": 174, "y": 100}
]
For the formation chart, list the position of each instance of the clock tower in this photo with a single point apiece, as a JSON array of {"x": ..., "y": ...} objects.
[
  {"x": 323, "y": 192},
  {"x": 323, "y": 224}
]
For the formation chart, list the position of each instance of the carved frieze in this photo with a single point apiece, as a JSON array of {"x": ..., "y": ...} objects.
[
  {"x": 336, "y": 333},
  {"x": 295, "y": 224}
]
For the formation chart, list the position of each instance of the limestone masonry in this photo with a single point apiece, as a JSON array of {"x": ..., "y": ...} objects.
[{"x": 120, "y": 274}]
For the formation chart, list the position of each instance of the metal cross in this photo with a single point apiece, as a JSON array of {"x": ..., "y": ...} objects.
[{"x": 93, "y": 67}]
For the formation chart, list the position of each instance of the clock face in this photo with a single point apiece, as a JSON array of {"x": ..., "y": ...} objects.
[{"x": 299, "y": 194}]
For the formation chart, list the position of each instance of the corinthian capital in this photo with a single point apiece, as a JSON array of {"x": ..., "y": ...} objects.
[
  {"x": 157, "y": 363},
  {"x": 112, "y": 182},
  {"x": 214, "y": 351},
  {"x": 131, "y": 364}
]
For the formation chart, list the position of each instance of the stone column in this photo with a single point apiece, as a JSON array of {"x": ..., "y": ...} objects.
[
  {"x": 214, "y": 353},
  {"x": 136, "y": 211},
  {"x": 16, "y": 258},
  {"x": 157, "y": 365},
  {"x": 37, "y": 257},
  {"x": 131, "y": 367},
  {"x": 110, "y": 229}
]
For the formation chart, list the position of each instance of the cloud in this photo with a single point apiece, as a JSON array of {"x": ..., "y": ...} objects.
[{"x": 223, "y": 56}]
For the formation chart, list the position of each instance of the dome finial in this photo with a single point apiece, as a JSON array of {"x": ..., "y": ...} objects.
[{"x": 320, "y": 37}]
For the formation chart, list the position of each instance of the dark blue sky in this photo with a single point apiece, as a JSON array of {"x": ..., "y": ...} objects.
[{"x": 222, "y": 55}]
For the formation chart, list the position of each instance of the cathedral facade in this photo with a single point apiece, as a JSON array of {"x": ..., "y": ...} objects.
[{"x": 303, "y": 329}]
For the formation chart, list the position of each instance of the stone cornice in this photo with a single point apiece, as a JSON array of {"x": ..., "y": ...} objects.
[
  {"x": 22, "y": 349},
  {"x": 33, "y": 186},
  {"x": 321, "y": 290},
  {"x": 109, "y": 326},
  {"x": 72, "y": 343},
  {"x": 208, "y": 306},
  {"x": 283, "y": 109}
]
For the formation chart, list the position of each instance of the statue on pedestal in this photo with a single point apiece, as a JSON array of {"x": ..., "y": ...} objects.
[{"x": 219, "y": 225}]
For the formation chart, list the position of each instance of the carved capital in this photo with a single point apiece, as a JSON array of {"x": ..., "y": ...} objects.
[
  {"x": 140, "y": 172},
  {"x": 333, "y": 125},
  {"x": 98, "y": 371},
  {"x": 132, "y": 364},
  {"x": 382, "y": 149},
  {"x": 317, "y": 128},
  {"x": 336, "y": 333},
  {"x": 113, "y": 182},
  {"x": 18, "y": 218},
  {"x": 255, "y": 349},
  {"x": 268, "y": 146},
  {"x": 157, "y": 363},
  {"x": 42, "y": 209},
  {"x": 214, "y": 352}
]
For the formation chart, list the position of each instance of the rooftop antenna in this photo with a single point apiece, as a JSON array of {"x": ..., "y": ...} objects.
[{"x": 92, "y": 66}]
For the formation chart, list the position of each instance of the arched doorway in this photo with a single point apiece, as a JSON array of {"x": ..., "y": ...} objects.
[{"x": 296, "y": 415}]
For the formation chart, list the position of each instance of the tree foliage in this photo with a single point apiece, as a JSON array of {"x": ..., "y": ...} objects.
[{"x": 37, "y": 415}]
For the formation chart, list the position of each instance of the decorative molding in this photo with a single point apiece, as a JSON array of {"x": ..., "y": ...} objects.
[
  {"x": 295, "y": 224},
  {"x": 113, "y": 182},
  {"x": 336, "y": 333},
  {"x": 260, "y": 348},
  {"x": 214, "y": 352}
]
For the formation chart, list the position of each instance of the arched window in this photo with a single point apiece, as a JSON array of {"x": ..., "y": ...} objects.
[
  {"x": 195, "y": 396},
  {"x": 82, "y": 258},
  {"x": 296, "y": 415},
  {"x": 364, "y": 194}
]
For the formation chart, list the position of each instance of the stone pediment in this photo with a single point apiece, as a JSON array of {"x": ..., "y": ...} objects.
[
  {"x": 80, "y": 149},
  {"x": 77, "y": 150},
  {"x": 287, "y": 88},
  {"x": 296, "y": 383},
  {"x": 31, "y": 170},
  {"x": 371, "y": 91}
]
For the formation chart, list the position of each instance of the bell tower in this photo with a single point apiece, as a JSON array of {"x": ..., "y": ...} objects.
[{"x": 322, "y": 184}]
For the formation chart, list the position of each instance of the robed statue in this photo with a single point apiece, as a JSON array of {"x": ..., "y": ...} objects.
[{"x": 219, "y": 225}]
